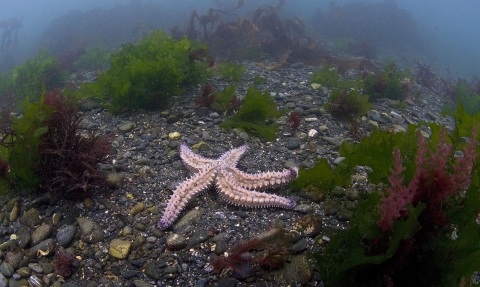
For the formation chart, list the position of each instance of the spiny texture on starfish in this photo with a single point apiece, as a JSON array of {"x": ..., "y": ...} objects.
[{"x": 234, "y": 185}]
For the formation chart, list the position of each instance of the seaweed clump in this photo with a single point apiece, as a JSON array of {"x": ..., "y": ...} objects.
[
  {"x": 423, "y": 232},
  {"x": 146, "y": 75},
  {"x": 49, "y": 147},
  {"x": 387, "y": 84},
  {"x": 255, "y": 115}
]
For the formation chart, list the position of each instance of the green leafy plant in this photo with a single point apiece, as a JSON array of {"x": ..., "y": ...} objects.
[
  {"x": 423, "y": 233},
  {"x": 387, "y": 84},
  {"x": 49, "y": 146},
  {"x": 41, "y": 71},
  {"x": 320, "y": 178},
  {"x": 97, "y": 57},
  {"x": 329, "y": 77},
  {"x": 344, "y": 104},
  {"x": 20, "y": 143},
  {"x": 231, "y": 71},
  {"x": 259, "y": 80},
  {"x": 255, "y": 115},
  {"x": 376, "y": 152},
  {"x": 146, "y": 75},
  {"x": 226, "y": 100}
]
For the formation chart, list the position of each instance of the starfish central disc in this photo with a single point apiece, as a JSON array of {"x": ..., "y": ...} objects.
[{"x": 234, "y": 185}]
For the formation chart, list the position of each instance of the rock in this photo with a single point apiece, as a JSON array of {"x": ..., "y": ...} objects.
[
  {"x": 298, "y": 246},
  {"x": 293, "y": 143},
  {"x": 315, "y": 86},
  {"x": 332, "y": 141},
  {"x": 143, "y": 161},
  {"x": 129, "y": 274},
  {"x": 174, "y": 136},
  {"x": 115, "y": 180},
  {"x": 298, "y": 270},
  {"x": 141, "y": 283},
  {"x": 41, "y": 233},
  {"x": 119, "y": 248},
  {"x": 151, "y": 270},
  {"x": 221, "y": 241},
  {"x": 19, "y": 283},
  {"x": 91, "y": 232},
  {"x": 7, "y": 269},
  {"x": 139, "y": 207},
  {"x": 176, "y": 241},
  {"x": 198, "y": 237},
  {"x": 31, "y": 218},
  {"x": 14, "y": 258},
  {"x": 3, "y": 281},
  {"x": 66, "y": 235},
  {"x": 126, "y": 126},
  {"x": 44, "y": 248},
  {"x": 309, "y": 225},
  {"x": 24, "y": 272},
  {"x": 15, "y": 212},
  {"x": 191, "y": 218}
]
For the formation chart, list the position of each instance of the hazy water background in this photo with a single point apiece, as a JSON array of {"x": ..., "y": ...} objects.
[{"x": 452, "y": 27}]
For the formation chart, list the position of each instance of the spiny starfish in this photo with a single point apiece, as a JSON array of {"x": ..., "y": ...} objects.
[{"x": 234, "y": 185}]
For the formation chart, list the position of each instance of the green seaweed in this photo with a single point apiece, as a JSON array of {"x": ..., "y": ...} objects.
[
  {"x": 321, "y": 177},
  {"x": 20, "y": 146},
  {"x": 223, "y": 100},
  {"x": 413, "y": 252},
  {"x": 376, "y": 152},
  {"x": 387, "y": 84},
  {"x": 146, "y": 75},
  {"x": 255, "y": 114},
  {"x": 329, "y": 77},
  {"x": 231, "y": 71},
  {"x": 259, "y": 80},
  {"x": 97, "y": 57},
  {"x": 347, "y": 104},
  {"x": 41, "y": 71}
]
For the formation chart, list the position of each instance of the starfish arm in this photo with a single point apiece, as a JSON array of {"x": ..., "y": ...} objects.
[
  {"x": 232, "y": 157},
  {"x": 193, "y": 161},
  {"x": 184, "y": 193},
  {"x": 241, "y": 196},
  {"x": 263, "y": 180}
]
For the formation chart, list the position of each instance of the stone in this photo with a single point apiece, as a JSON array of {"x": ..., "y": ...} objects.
[
  {"x": 293, "y": 143},
  {"x": 191, "y": 218},
  {"x": 66, "y": 235},
  {"x": 114, "y": 179},
  {"x": 91, "y": 232},
  {"x": 151, "y": 270},
  {"x": 31, "y": 218},
  {"x": 18, "y": 283},
  {"x": 119, "y": 248},
  {"x": 137, "y": 208},
  {"x": 44, "y": 248},
  {"x": 41, "y": 233},
  {"x": 126, "y": 126},
  {"x": 141, "y": 283},
  {"x": 176, "y": 241},
  {"x": 7, "y": 269}
]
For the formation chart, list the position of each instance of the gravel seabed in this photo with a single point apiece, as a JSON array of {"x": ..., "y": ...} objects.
[{"x": 147, "y": 162}]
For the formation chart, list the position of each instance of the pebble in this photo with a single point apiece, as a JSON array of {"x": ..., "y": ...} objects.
[
  {"x": 126, "y": 126},
  {"x": 65, "y": 235},
  {"x": 119, "y": 248},
  {"x": 7, "y": 269},
  {"x": 41, "y": 233},
  {"x": 293, "y": 143},
  {"x": 91, "y": 232},
  {"x": 176, "y": 241},
  {"x": 151, "y": 270}
]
